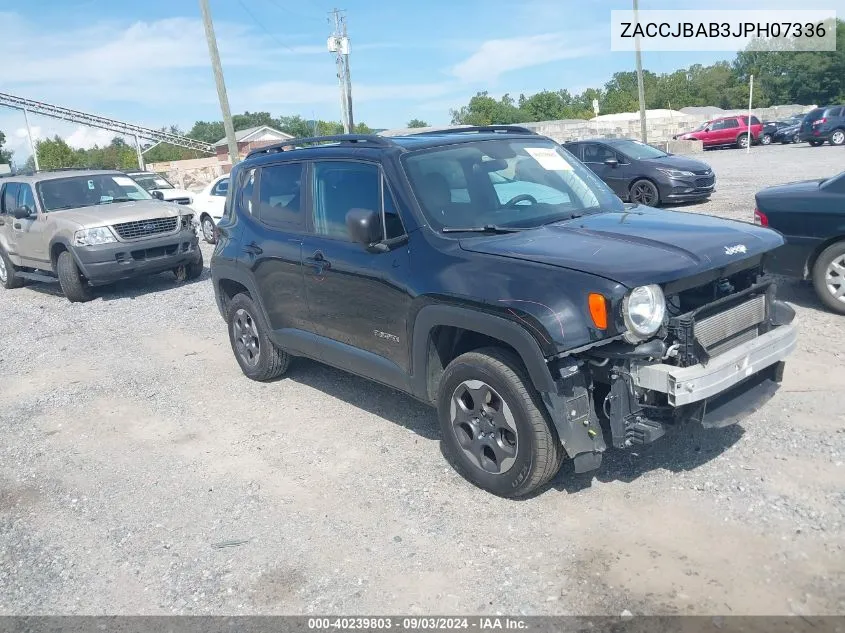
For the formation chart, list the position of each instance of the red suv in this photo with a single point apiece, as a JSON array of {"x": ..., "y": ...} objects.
[{"x": 727, "y": 130}]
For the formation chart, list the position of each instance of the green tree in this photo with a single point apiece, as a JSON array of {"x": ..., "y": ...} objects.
[
  {"x": 5, "y": 155},
  {"x": 417, "y": 123},
  {"x": 55, "y": 153},
  {"x": 485, "y": 110}
]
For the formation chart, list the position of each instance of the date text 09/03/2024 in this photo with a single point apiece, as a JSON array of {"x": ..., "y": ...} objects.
[{"x": 416, "y": 623}]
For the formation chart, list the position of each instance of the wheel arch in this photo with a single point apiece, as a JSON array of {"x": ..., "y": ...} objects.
[
  {"x": 231, "y": 281},
  {"x": 57, "y": 246},
  {"x": 814, "y": 256},
  {"x": 442, "y": 332}
]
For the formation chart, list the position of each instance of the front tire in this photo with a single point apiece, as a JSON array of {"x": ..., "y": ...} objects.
[
  {"x": 644, "y": 192},
  {"x": 837, "y": 137},
  {"x": 829, "y": 277},
  {"x": 258, "y": 357},
  {"x": 189, "y": 272},
  {"x": 75, "y": 288},
  {"x": 495, "y": 430},
  {"x": 209, "y": 230},
  {"x": 8, "y": 273}
]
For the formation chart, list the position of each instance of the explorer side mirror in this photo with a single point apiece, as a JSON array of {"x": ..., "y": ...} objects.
[
  {"x": 612, "y": 162},
  {"x": 364, "y": 226},
  {"x": 158, "y": 195},
  {"x": 21, "y": 213}
]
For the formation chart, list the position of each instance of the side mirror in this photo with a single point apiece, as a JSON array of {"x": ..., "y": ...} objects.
[
  {"x": 364, "y": 226},
  {"x": 158, "y": 195},
  {"x": 611, "y": 162},
  {"x": 21, "y": 213}
]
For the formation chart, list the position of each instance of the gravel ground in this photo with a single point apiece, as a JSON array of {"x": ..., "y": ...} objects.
[{"x": 141, "y": 473}]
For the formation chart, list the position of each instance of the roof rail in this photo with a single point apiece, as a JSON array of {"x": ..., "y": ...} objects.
[
  {"x": 342, "y": 139},
  {"x": 479, "y": 129}
]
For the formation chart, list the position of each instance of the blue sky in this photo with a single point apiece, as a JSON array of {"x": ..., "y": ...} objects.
[{"x": 147, "y": 62}]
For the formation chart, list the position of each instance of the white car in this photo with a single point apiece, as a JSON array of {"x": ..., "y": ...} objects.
[
  {"x": 208, "y": 206},
  {"x": 159, "y": 187}
]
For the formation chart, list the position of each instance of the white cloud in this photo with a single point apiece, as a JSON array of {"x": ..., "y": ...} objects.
[
  {"x": 84, "y": 137},
  {"x": 496, "y": 57}
]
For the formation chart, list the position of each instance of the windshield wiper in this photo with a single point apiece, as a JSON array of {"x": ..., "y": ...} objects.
[
  {"x": 487, "y": 228},
  {"x": 115, "y": 200}
]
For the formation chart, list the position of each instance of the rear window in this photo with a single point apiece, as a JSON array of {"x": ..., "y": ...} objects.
[
  {"x": 833, "y": 112},
  {"x": 814, "y": 114}
]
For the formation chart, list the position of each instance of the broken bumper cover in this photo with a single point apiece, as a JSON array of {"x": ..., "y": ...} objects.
[{"x": 689, "y": 385}]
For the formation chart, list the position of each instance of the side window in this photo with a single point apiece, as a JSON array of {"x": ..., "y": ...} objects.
[
  {"x": 575, "y": 150},
  {"x": 340, "y": 187},
  {"x": 245, "y": 201},
  {"x": 594, "y": 153},
  {"x": 10, "y": 197},
  {"x": 221, "y": 188},
  {"x": 717, "y": 125},
  {"x": 732, "y": 123},
  {"x": 754, "y": 120},
  {"x": 25, "y": 197},
  {"x": 837, "y": 112},
  {"x": 280, "y": 196}
]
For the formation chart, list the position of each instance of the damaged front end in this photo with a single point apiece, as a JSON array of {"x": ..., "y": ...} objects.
[{"x": 719, "y": 357}]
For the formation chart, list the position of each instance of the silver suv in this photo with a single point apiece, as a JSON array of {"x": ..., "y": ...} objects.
[{"x": 86, "y": 228}]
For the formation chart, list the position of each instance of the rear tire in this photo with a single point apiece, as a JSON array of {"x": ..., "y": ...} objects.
[
  {"x": 816, "y": 143},
  {"x": 837, "y": 137},
  {"x": 257, "y": 355},
  {"x": 829, "y": 277},
  {"x": 8, "y": 273},
  {"x": 504, "y": 442},
  {"x": 742, "y": 141},
  {"x": 75, "y": 288}
]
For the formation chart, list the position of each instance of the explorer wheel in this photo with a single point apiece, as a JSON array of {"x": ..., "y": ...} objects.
[
  {"x": 258, "y": 357},
  {"x": 76, "y": 289},
  {"x": 742, "y": 141},
  {"x": 829, "y": 277},
  {"x": 189, "y": 272},
  {"x": 645, "y": 192},
  {"x": 495, "y": 430},
  {"x": 208, "y": 229},
  {"x": 838, "y": 137},
  {"x": 8, "y": 273}
]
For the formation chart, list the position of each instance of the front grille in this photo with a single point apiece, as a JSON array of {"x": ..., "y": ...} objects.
[
  {"x": 704, "y": 182},
  {"x": 726, "y": 330},
  {"x": 145, "y": 228},
  {"x": 703, "y": 172}
]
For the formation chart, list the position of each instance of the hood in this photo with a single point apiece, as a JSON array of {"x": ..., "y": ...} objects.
[
  {"x": 678, "y": 162},
  {"x": 636, "y": 247},
  {"x": 118, "y": 212}
]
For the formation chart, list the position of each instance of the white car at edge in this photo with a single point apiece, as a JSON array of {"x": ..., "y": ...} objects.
[{"x": 208, "y": 206}]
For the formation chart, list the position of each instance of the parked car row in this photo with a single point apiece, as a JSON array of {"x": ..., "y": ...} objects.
[
  {"x": 488, "y": 272},
  {"x": 819, "y": 126}
]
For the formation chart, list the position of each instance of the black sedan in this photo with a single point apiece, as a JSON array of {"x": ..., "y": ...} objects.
[
  {"x": 811, "y": 216},
  {"x": 641, "y": 173}
]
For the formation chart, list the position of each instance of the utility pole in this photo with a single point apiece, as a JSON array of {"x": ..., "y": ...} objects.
[
  {"x": 141, "y": 165},
  {"x": 640, "y": 88},
  {"x": 218, "y": 79},
  {"x": 338, "y": 44}
]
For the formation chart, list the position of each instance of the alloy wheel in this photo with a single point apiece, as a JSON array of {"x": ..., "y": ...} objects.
[
  {"x": 208, "y": 230},
  {"x": 766, "y": 139},
  {"x": 644, "y": 193},
  {"x": 247, "y": 343},
  {"x": 743, "y": 141},
  {"x": 834, "y": 278},
  {"x": 838, "y": 137},
  {"x": 484, "y": 426},
  {"x": 4, "y": 274}
]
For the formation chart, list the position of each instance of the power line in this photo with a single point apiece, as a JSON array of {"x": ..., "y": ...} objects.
[{"x": 264, "y": 28}]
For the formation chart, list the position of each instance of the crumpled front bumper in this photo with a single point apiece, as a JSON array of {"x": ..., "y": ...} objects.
[{"x": 688, "y": 385}]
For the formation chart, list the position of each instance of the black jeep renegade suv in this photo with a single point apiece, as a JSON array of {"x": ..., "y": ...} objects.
[{"x": 489, "y": 273}]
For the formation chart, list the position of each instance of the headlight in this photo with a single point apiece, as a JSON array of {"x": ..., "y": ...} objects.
[
  {"x": 186, "y": 220},
  {"x": 92, "y": 237},
  {"x": 676, "y": 173},
  {"x": 643, "y": 310}
]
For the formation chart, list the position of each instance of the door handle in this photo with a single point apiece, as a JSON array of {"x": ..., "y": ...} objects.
[
  {"x": 318, "y": 261},
  {"x": 253, "y": 249}
]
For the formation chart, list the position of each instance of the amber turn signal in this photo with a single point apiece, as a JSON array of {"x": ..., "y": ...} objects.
[{"x": 598, "y": 310}]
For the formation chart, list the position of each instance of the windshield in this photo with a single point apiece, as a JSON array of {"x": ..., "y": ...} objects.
[
  {"x": 88, "y": 191},
  {"x": 152, "y": 182},
  {"x": 509, "y": 183},
  {"x": 638, "y": 150}
]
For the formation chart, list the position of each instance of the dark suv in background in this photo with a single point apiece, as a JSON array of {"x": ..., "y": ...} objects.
[
  {"x": 490, "y": 274},
  {"x": 641, "y": 173},
  {"x": 824, "y": 124}
]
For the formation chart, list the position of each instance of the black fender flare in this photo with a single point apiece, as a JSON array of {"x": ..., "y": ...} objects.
[
  {"x": 507, "y": 331},
  {"x": 224, "y": 272},
  {"x": 68, "y": 247}
]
